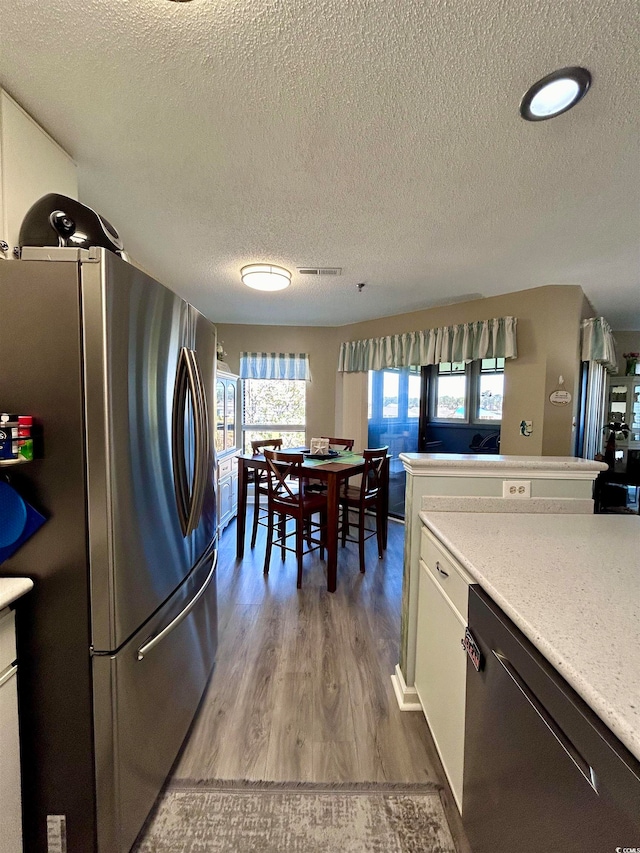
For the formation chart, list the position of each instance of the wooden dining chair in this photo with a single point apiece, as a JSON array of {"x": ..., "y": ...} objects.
[
  {"x": 342, "y": 443},
  {"x": 367, "y": 500},
  {"x": 260, "y": 485},
  {"x": 287, "y": 501}
]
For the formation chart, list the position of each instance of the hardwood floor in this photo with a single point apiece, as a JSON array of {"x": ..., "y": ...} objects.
[{"x": 301, "y": 689}]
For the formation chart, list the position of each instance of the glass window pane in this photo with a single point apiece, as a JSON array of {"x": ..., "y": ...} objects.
[
  {"x": 390, "y": 395},
  {"x": 413, "y": 402},
  {"x": 490, "y": 397},
  {"x": 274, "y": 401},
  {"x": 451, "y": 397},
  {"x": 488, "y": 364},
  {"x": 289, "y": 439},
  {"x": 370, "y": 398},
  {"x": 452, "y": 367},
  {"x": 219, "y": 440},
  {"x": 231, "y": 416},
  {"x": 500, "y": 363}
]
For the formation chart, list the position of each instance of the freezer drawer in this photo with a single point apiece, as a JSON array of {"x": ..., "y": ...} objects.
[
  {"x": 145, "y": 698},
  {"x": 541, "y": 771}
]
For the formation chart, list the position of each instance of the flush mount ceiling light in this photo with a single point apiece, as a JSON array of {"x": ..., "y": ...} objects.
[
  {"x": 265, "y": 277},
  {"x": 555, "y": 94}
]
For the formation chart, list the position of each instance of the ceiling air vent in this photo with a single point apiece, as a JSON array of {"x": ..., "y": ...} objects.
[{"x": 320, "y": 270}]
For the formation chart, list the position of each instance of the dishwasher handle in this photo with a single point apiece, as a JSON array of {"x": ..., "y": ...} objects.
[{"x": 581, "y": 763}]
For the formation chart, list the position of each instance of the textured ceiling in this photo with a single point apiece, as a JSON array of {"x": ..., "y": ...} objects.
[{"x": 381, "y": 136}]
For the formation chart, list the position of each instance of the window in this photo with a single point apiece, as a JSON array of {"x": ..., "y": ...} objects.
[
  {"x": 272, "y": 408},
  {"x": 451, "y": 391},
  {"x": 394, "y": 413},
  {"x": 470, "y": 393},
  {"x": 490, "y": 390}
]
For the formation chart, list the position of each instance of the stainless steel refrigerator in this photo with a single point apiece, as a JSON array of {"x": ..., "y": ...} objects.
[{"x": 117, "y": 640}]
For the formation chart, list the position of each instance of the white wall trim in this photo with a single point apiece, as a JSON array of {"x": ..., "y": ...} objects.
[{"x": 407, "y": 696}]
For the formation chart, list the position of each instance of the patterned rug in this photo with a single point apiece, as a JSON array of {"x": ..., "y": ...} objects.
[{"x": 242, "y": 817}]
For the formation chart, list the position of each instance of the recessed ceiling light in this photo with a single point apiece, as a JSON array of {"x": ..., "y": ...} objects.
[
  {"x": 265, "y": 277},
  {"x": 555, "y": 94}
]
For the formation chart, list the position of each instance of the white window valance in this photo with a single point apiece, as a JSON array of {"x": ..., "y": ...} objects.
[
  {"x": 274, "y": 365},
  {"x": 598, "y": 343},
  {"x": 494, "y": 338}
]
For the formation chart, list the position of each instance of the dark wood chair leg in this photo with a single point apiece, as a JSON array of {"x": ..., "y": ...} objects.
[
  {"x": 361, "y": 539},
  {"x": 345, "y": 524},
  {"x": 282, "y": 533},
  {"x": 256, "y": 515},
  {"x": 299, "y": 548},
  {"x": 267, "y": 556},
  {"x": 380, "y": 531},
  {"x": 323, "y": 532}
]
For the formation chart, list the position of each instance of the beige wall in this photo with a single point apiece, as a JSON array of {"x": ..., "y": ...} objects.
[
  {"x": 319, "y": 342},
  {"x": 626, "y": 342},
  {"x": 548, "y": 344}
]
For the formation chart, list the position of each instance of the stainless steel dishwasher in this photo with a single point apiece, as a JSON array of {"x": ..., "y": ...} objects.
[{"x": 542, "y": 773}]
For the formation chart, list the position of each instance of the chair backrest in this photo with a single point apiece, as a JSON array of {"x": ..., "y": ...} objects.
[
  {"x": 283, "y": 475},
  {"x": 374, "y": 461},
  {"x": 345, "y": 443},
  {"x": 272, "y": 443}
]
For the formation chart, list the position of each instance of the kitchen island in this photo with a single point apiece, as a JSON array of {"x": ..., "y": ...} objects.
[
  {"x": 490, "y": 483},
  {"x": 571, "y": 584},
  {"x": 543, "y": 719}
]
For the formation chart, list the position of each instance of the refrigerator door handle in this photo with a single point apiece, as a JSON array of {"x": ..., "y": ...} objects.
[
  {"x": 8, "y": 674},
  {"x": 189, "y": 503},
  {"x": 202, "y": 444},
  {"x": 180, "y": 482},
  {"x": 145, "y": 648}
]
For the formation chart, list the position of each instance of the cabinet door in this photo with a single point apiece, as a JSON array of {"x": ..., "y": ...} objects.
[
  {"x": 10, "y": 811},
  {"x": 230, "y": 442},
  {"x": 234, "y": 492},
  {"x": 225, "y": 498},
  {"x": 220, "y": 430},
  {"x": 441, "y": 676}
]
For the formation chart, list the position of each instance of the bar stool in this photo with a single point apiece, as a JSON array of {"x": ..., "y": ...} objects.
[
  {"x": 368, "y": 497},
  {"x": 260, "y": 485},
  {"x": 288, "y": 501}
]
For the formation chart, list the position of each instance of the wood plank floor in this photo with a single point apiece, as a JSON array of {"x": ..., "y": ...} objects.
[{"x": 301, "y": 689}]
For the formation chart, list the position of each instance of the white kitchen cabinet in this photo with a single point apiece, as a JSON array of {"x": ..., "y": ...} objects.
[
  {"x": 31, "y": 165},
  {"x": 226, "y": 442},
  {"x": 440, "y": 678},
  {"x": 10, "y": 802}
]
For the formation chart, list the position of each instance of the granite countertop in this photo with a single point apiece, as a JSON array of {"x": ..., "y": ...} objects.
[
  {"x": 12, "y": 588},
  {"x": 571, "y": 583},
  {"x": 498, "y": 461}
]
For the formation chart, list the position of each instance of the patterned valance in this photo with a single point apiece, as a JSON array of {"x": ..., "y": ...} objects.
[
  {"x": 494, "y": 338},
  {"x": 274, "y": 365},
  {"x": 598, "y": 343}
]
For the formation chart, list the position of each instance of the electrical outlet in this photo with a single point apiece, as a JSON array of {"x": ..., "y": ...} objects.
[{"x": 516, "y": 488}]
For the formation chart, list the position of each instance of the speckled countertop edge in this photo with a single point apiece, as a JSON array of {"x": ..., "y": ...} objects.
[
  {"x": 13, "y": 588},
  {"x": 581, "y": 614},
  {"x": 526, "y": 463}
]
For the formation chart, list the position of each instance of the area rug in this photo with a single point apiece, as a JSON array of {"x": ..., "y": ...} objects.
[{"x": 242, "y": 817}]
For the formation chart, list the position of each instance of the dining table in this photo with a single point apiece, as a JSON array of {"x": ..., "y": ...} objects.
[{"x": 333, "y": 472}]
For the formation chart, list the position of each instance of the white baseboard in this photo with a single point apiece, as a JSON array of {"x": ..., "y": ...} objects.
[{"x": 407, "y": 696}]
